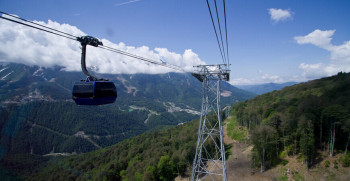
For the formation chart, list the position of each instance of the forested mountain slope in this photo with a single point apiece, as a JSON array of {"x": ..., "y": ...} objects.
[
  {"x": 299, "y": 119},
  {"x": 160, "y": 155},
  {"x": 37, "y": 115},
  {"x": 265, "y": 88}
]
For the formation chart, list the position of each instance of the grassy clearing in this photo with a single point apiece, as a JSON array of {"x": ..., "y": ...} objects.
[
  {"x": 299, "y": 177},
  {"x": 235, "y": 131}
]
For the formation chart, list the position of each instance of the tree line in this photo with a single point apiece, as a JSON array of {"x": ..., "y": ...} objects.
[
  {"x": 299, "y": 120},
  {"x": 160, "y": 155}
]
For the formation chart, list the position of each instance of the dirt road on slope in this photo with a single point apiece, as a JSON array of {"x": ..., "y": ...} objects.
[{"x": 239, "y": 163}]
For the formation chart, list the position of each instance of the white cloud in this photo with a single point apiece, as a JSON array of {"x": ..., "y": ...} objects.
[
  {"x": 278, "y": 15},
  {"x": 312, "y": 71},
  {"x": 318, "y": 37},
  {"x": 339, "y": 54},
  {"x": 263, "y": 78},
  {"x": 271, "y": 78},
  {"x": 29, "y": 46},
  {"x": 241, "y": 81},
  {"x": 127, "y": 2},
  {"x": 339, "y": 61},
  {"x": 310, "y": 66}
]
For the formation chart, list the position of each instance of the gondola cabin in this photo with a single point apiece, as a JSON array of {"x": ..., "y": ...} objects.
[{"x": 94, "y": 92}]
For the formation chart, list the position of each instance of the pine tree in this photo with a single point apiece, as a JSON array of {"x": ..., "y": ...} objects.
[
  {"x": 307, "y": 141},
  {"x": 264, "y": 139}
]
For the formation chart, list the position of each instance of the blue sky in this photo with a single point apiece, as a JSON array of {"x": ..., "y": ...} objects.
[{"x": 310, "y": 41}]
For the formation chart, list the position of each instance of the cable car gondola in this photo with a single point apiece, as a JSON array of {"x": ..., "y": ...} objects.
[{"x": 92, "y": 91}]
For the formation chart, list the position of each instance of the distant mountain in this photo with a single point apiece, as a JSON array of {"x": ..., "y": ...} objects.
[
  {"x": 265, "y": 88},
  {"x": 38, "y": 116}
]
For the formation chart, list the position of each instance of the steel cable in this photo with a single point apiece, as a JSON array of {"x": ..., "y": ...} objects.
[
  {"x": 216, "y": 34},
  {"x": 222, "y": 42},
  {"x": 72, "y": 37}
]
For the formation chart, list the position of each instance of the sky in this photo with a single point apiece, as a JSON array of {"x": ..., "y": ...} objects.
[{"x": 268, "y": 40}]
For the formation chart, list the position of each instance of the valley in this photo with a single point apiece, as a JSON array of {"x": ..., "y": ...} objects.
[
  {"x": 42, "y": 97},
  {"x": 137, "y": 137}
]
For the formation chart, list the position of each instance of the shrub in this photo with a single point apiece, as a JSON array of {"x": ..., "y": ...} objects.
[
  {"x": 284, "y": 178},
  {"x": 326, "y": 163},
  {"x": 283, "y": 154},
  {"x": 166, "y": 168},
  {"x": 345, "y": 160},
  {"x": 299, "y": 177},
  {"x": 284, "y": 162}
]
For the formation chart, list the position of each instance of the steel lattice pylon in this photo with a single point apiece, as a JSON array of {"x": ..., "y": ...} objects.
[{"x": 210, "y": 162}]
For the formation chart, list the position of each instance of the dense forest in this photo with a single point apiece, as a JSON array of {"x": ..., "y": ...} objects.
[
  {"x": 302, "y": 120},
  {"x": 160, "y": 155}
]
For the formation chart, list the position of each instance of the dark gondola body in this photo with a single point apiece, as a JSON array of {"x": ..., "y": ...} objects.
[{"x": 94, "y": 92}]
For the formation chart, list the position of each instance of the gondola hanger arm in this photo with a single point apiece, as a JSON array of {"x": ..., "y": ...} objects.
[{"x": 84, "y": 41}]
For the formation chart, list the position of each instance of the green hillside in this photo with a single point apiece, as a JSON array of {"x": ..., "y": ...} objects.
[
  {"x": 300, "y": 120},
  {"x": 38, "y": 119},
  {"x": 160, "y": 155},
  {"x": 304, "y": 120},
  {"x": 38, "y": 116}
]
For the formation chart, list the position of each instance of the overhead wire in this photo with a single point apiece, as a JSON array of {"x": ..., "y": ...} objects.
[
  {"x": 223, "y": 49},
  {"x": 36, "y": 27},
  {"x": 72, "y": 37},
  {"x": 141, "y": 58},
  {"x": 222, "y": 42},
  {"x": 228, "y": 59},
  {"x": 216, "y": 34},
  {"x": 38, "y": 24}
]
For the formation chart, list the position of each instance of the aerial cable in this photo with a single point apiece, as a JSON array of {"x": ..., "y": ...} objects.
[
  {"x": 36, "y": 27},
  {"x": 216, "y": 34},
  {"x": 72, "y": 37},
  {"x": 38, "y": 24},
  {"x": 142, "y": 58},
  {"x": 228, "y": 59},
  {"x": 222, "y": 42}
]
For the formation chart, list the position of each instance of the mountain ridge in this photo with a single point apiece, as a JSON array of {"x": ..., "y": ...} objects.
[
  {"x": 41, "y": 98},
  {"x": 265, "y": 88}
]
